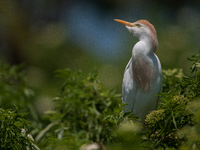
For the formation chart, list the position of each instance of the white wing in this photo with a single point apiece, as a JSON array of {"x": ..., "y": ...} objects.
[{"x": 128, "y": 88}]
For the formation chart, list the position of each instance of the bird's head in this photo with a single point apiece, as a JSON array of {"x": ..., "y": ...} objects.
[{"x": 142, "y": 29}]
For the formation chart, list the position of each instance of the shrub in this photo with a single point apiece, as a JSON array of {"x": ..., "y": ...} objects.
[
  {"x": 14, "y": 129},
  {"x": 173, "y": 114},
  {"x": 14, "y": 90},
  {"x": 85, "y": 112},
  {"x": 85, "y": 108}
]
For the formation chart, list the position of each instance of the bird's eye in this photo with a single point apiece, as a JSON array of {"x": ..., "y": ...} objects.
[{"x": 138, "y": 25}]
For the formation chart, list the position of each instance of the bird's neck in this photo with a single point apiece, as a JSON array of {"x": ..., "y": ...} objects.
[
  {"x": 151, "y": 41},
  {"x": 143, "y": 47}
]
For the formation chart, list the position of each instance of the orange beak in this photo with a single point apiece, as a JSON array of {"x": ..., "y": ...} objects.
[{"x": 125, "y": 23}]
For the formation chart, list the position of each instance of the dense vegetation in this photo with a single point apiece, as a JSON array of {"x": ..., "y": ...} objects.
[{"x": 85, "y": 112}]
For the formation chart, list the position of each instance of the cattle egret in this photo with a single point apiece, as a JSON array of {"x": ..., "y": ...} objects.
[{"x": 143, "y": 74}]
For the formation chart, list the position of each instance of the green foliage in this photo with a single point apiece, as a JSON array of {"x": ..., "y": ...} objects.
[
  {"x": 11, "y": 125},
  {"x": 85, "y": 112},
  {"x": 68, "y": 142},
  {"x": 14, "y": 90},
  {"x": 169, "y": 118},
  {"x": 191, "y": 134},
  {"x": 85, "y": 107},
  {"x": 13, "y": 86},
  {"x": 171, "y": 78},
  {"x": 129, "y": 137},
  {"x": 173, "y": 114}
]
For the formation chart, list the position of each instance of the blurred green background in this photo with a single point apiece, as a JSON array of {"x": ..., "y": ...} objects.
[{"x": 47, "y": 35}]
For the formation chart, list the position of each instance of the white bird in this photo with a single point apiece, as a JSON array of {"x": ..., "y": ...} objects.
[{"x": 143, "y": 74}]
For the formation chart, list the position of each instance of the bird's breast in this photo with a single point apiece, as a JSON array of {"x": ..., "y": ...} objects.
[{"x": 143, "y": 73}]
